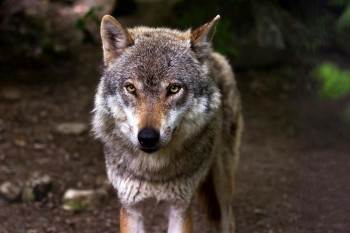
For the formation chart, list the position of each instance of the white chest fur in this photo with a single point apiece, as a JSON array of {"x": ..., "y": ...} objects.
[{"x": 132, "y": 191}]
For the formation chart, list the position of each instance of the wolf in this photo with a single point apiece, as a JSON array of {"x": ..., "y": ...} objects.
[{"x": 168, "y": 113}]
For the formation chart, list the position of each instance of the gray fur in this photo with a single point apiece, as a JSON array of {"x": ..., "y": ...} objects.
[{"x": 197, "y": 125}]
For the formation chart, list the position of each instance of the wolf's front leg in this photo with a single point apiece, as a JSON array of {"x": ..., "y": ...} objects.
[
  {"x": 180, "y": 220},
  {"x": 131, "y": 222}
]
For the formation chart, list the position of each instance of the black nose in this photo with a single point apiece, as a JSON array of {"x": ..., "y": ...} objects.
[{"x": 148, "y": 137}]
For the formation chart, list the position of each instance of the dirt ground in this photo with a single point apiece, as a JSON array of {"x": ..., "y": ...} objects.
[
  {"x": 293, "y": 174},
  {"x": 265, "y": 180}
]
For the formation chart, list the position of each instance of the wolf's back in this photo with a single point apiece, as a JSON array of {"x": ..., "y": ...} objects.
[{"x": 231, "y": 109}]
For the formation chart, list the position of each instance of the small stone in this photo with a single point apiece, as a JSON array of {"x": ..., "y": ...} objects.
[
  {"x": 258, "y": 212},
  {"x": 60, "y": 49},
  {"x": 43, "y": 113},
  {"x": 10, "y": 191},
  {"x": 36, "y": 188},
  {"x": 257, "y": 87},
  {"x": 78, "y": 200},
  {"x": 76, "y": 155},
  {"x": 50, "y": 137},
  {"x": 39, "y": 146},
  {"x": 42, "y": 185},
  {"x": 72, "y": 128},
  {"x": 27, "y": 193},
  {"x": 11, "y": 94},
  {"x": 20, "y": 143},
  {"x": 51, "y": 230},
  {"x": 32, "y": 231}
]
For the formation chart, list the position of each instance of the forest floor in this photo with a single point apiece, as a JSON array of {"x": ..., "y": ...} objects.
[
  {"x": 265, "y": 196},
  {"x": 294, "y": 168}
]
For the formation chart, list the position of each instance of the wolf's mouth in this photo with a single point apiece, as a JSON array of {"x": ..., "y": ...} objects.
[{"x": 149, "y": 151}]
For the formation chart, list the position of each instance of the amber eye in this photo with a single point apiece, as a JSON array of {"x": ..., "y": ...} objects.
[
  {"x": 130, "y": 88},
  {"x": 173, "y": 89}
]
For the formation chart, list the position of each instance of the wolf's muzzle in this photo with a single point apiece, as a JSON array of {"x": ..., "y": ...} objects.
[{"x": 148, "y": 138}]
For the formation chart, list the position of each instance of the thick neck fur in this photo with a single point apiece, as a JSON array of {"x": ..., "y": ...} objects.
[{"x": 174, "y": 160}]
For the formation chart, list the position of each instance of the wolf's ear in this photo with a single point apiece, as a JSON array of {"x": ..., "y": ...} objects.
[
  {"x": 115, "y": 38},
  {"x": 202, "y": 36}
]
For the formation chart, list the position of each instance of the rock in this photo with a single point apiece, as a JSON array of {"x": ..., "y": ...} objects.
[
  {"x": 78, "y": 200},
  {"x": 257, "y": 87},
  {"x": 39, "y": 146},
  {"x": 72, "y": 128},
  {"x": 27, "y": 193},
  {"x": 259, "y": 212},
  {"x": 10, "y": 191},
  {"x": 268, "y": 25},
  {"x": 36, "y": 188},
  {"x": 11, "y": 93},
  {"x": 20, "y": 143},
  {"x": 60, "y": 49},
  {"x": 262, "y": 32},
  {"x": 263, "y": 25}
]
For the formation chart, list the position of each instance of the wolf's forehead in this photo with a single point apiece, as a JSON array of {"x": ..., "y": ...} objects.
[
  {"x": 160, "y": 38},
  {"x": 157, "y": 52}
]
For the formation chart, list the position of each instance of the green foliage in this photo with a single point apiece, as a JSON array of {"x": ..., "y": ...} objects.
[
  {"x": 90, "y": 15},
  {"x": 223, "y": 39},
  {"x": 18, "y": 162},
  {"x": 312, "y": 44},
  {"x": 197, "y": 15},
  {"x": 335, "y": 83},
  {"x": 329, "y": 27},
  {"x": 338, "y": 3},
  {"x": 344, "y": 20},
  {"x": 223, "y": 36},
  {"x": 315, "y": 39}
]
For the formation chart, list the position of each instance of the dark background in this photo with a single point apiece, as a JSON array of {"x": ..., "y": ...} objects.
[{"x": 291, "y": 61}]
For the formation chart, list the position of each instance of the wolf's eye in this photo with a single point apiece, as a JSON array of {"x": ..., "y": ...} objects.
[
  {"x": 173, "y": 89},
  {"x": 130, "y": 88}
]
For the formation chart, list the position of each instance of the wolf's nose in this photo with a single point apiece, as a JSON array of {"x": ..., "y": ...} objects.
[{"x": 148, "y": 137}]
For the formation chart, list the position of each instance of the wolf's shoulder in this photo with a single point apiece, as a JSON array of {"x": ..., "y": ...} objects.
[{"x": 221, "y": 70}]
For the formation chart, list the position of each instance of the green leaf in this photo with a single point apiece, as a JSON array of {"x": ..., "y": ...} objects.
[
  {"x": 344, "y": 19},
  {"x": 233, "y": 51},
  {"x": 90, "y": 13},
  {"x": 335, "y": 83},
  {"x": 80, "y": 24},
  {"x": 225, "y": 50},
  {"x": 338, "y": 3}
]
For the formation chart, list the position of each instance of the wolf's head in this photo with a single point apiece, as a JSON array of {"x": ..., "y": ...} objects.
[{"x": 156, "y": 85}]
